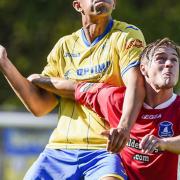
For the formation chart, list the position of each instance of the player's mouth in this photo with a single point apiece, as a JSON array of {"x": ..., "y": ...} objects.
[{"x": 168, "y": 74}]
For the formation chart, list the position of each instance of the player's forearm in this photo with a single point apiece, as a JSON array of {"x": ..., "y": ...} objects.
[
  {"x": 132, "y": 104},
  {"x": 32, "y": 97},
  {"x": 58, "y": 86},
  {"x": 134, "y": 97},
  {"x": 171, "y": 144}
]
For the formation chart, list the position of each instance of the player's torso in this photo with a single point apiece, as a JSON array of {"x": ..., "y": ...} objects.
[
  {"x": 162, "y": 123},
  {"x": 95, "y": 63},
  {"x": 78, "y": 126}
]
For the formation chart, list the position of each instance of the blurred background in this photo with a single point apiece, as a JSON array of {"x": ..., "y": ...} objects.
[{"x": 29, "y": 30}]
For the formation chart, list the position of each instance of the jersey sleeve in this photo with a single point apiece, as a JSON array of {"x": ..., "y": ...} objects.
[
  {"x": 104, "y": 99},
  {"x": 52, "y": 69},
  {"x": 129, "y": 48},
  {"x": 87, "y": 95}
]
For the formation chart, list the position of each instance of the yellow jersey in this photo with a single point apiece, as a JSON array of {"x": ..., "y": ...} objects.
[{"x": 106, "y": 59}]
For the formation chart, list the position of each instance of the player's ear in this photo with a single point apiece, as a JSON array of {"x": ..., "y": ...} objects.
[
  {"x": 77, "y": 6},
  {"x": 143, "y": 70}
]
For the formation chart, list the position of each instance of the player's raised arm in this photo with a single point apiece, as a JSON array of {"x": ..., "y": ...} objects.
[
  {"x": 36, "y": 100},
  {"x": 134, "y": 97}
]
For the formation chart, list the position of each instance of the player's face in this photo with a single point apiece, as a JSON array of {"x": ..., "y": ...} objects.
[
  {"x": 95, "y": 7},
  {"x": 163, "y": 70}
]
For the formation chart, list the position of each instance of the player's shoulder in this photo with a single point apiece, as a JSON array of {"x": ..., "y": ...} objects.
[
  {"x": 130, "y": 33},
  {"x": 63, "y": 42},
  {"x": 126, "y": 27},
  {"x": 178, "y": 100},
  {"x": 176, "y": 104},
  {"x": 69, "y": 38}
]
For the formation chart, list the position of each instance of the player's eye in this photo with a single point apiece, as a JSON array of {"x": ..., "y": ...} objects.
[
  {"x": 160, "y": 59},
  {"x": 174, "y": 60}
]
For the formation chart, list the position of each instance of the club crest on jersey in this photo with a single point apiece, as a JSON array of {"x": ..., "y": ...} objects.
[{"x": 165, "y": 129}]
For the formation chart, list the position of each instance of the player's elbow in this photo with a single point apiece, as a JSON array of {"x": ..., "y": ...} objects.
[
  {"x": 37, "y": 111},
  {"x": 38, "y": 114}
]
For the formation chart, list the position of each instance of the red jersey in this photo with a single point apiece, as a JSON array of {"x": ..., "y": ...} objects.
[{"x": 107, "y": 101}]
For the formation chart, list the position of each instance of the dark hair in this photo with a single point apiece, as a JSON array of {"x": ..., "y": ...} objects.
[{"x": 150, "y": 49}]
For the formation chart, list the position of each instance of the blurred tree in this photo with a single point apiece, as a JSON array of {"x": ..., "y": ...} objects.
[{"x": 29, "y": 30}]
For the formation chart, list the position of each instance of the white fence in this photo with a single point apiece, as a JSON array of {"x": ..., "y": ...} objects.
[
  {"x": 22, "y": 138},
  {"x": 25, "y": 120}
]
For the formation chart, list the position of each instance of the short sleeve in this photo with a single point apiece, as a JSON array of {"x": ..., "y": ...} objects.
[
  {"x": 130, "y": 47},
  {"x": 52, "y": 69}
]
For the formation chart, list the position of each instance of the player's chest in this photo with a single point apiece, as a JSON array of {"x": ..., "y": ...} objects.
[
  {"x": 89, "y": 62},
  {"x": 160, "y": 123}
]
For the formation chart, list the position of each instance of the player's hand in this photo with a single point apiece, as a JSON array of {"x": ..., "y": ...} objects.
[
  {"x": 117, "y": 139},
  {"x": 150, "y": 142},
  {"x": 3, "y": 56}
]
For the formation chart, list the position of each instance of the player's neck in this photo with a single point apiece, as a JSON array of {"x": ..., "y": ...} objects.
[
  {"x": 94, "y": 27},
  {"x": 156, "y": 97}
]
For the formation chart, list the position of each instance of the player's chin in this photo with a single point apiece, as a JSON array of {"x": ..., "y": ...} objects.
[
  {"x": 168, "y": 85},
  {"x": 170, "y": 82}
]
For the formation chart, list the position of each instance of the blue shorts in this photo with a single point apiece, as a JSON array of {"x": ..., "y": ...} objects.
[{"x": 76, "y": 165}]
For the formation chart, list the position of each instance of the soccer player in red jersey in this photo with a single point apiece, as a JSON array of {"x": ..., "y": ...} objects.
[{"x": 154, "y": 145}]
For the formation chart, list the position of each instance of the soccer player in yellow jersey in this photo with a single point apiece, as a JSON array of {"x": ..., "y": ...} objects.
[{"x": 103, "y": 50}]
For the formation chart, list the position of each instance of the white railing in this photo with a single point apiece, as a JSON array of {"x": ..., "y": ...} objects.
[{"x": 25, "y": 120}]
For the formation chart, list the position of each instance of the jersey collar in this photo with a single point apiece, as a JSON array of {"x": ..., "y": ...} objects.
[
  {"x": 163, "y": 105},
  {"x": 107, "y": 30}
]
